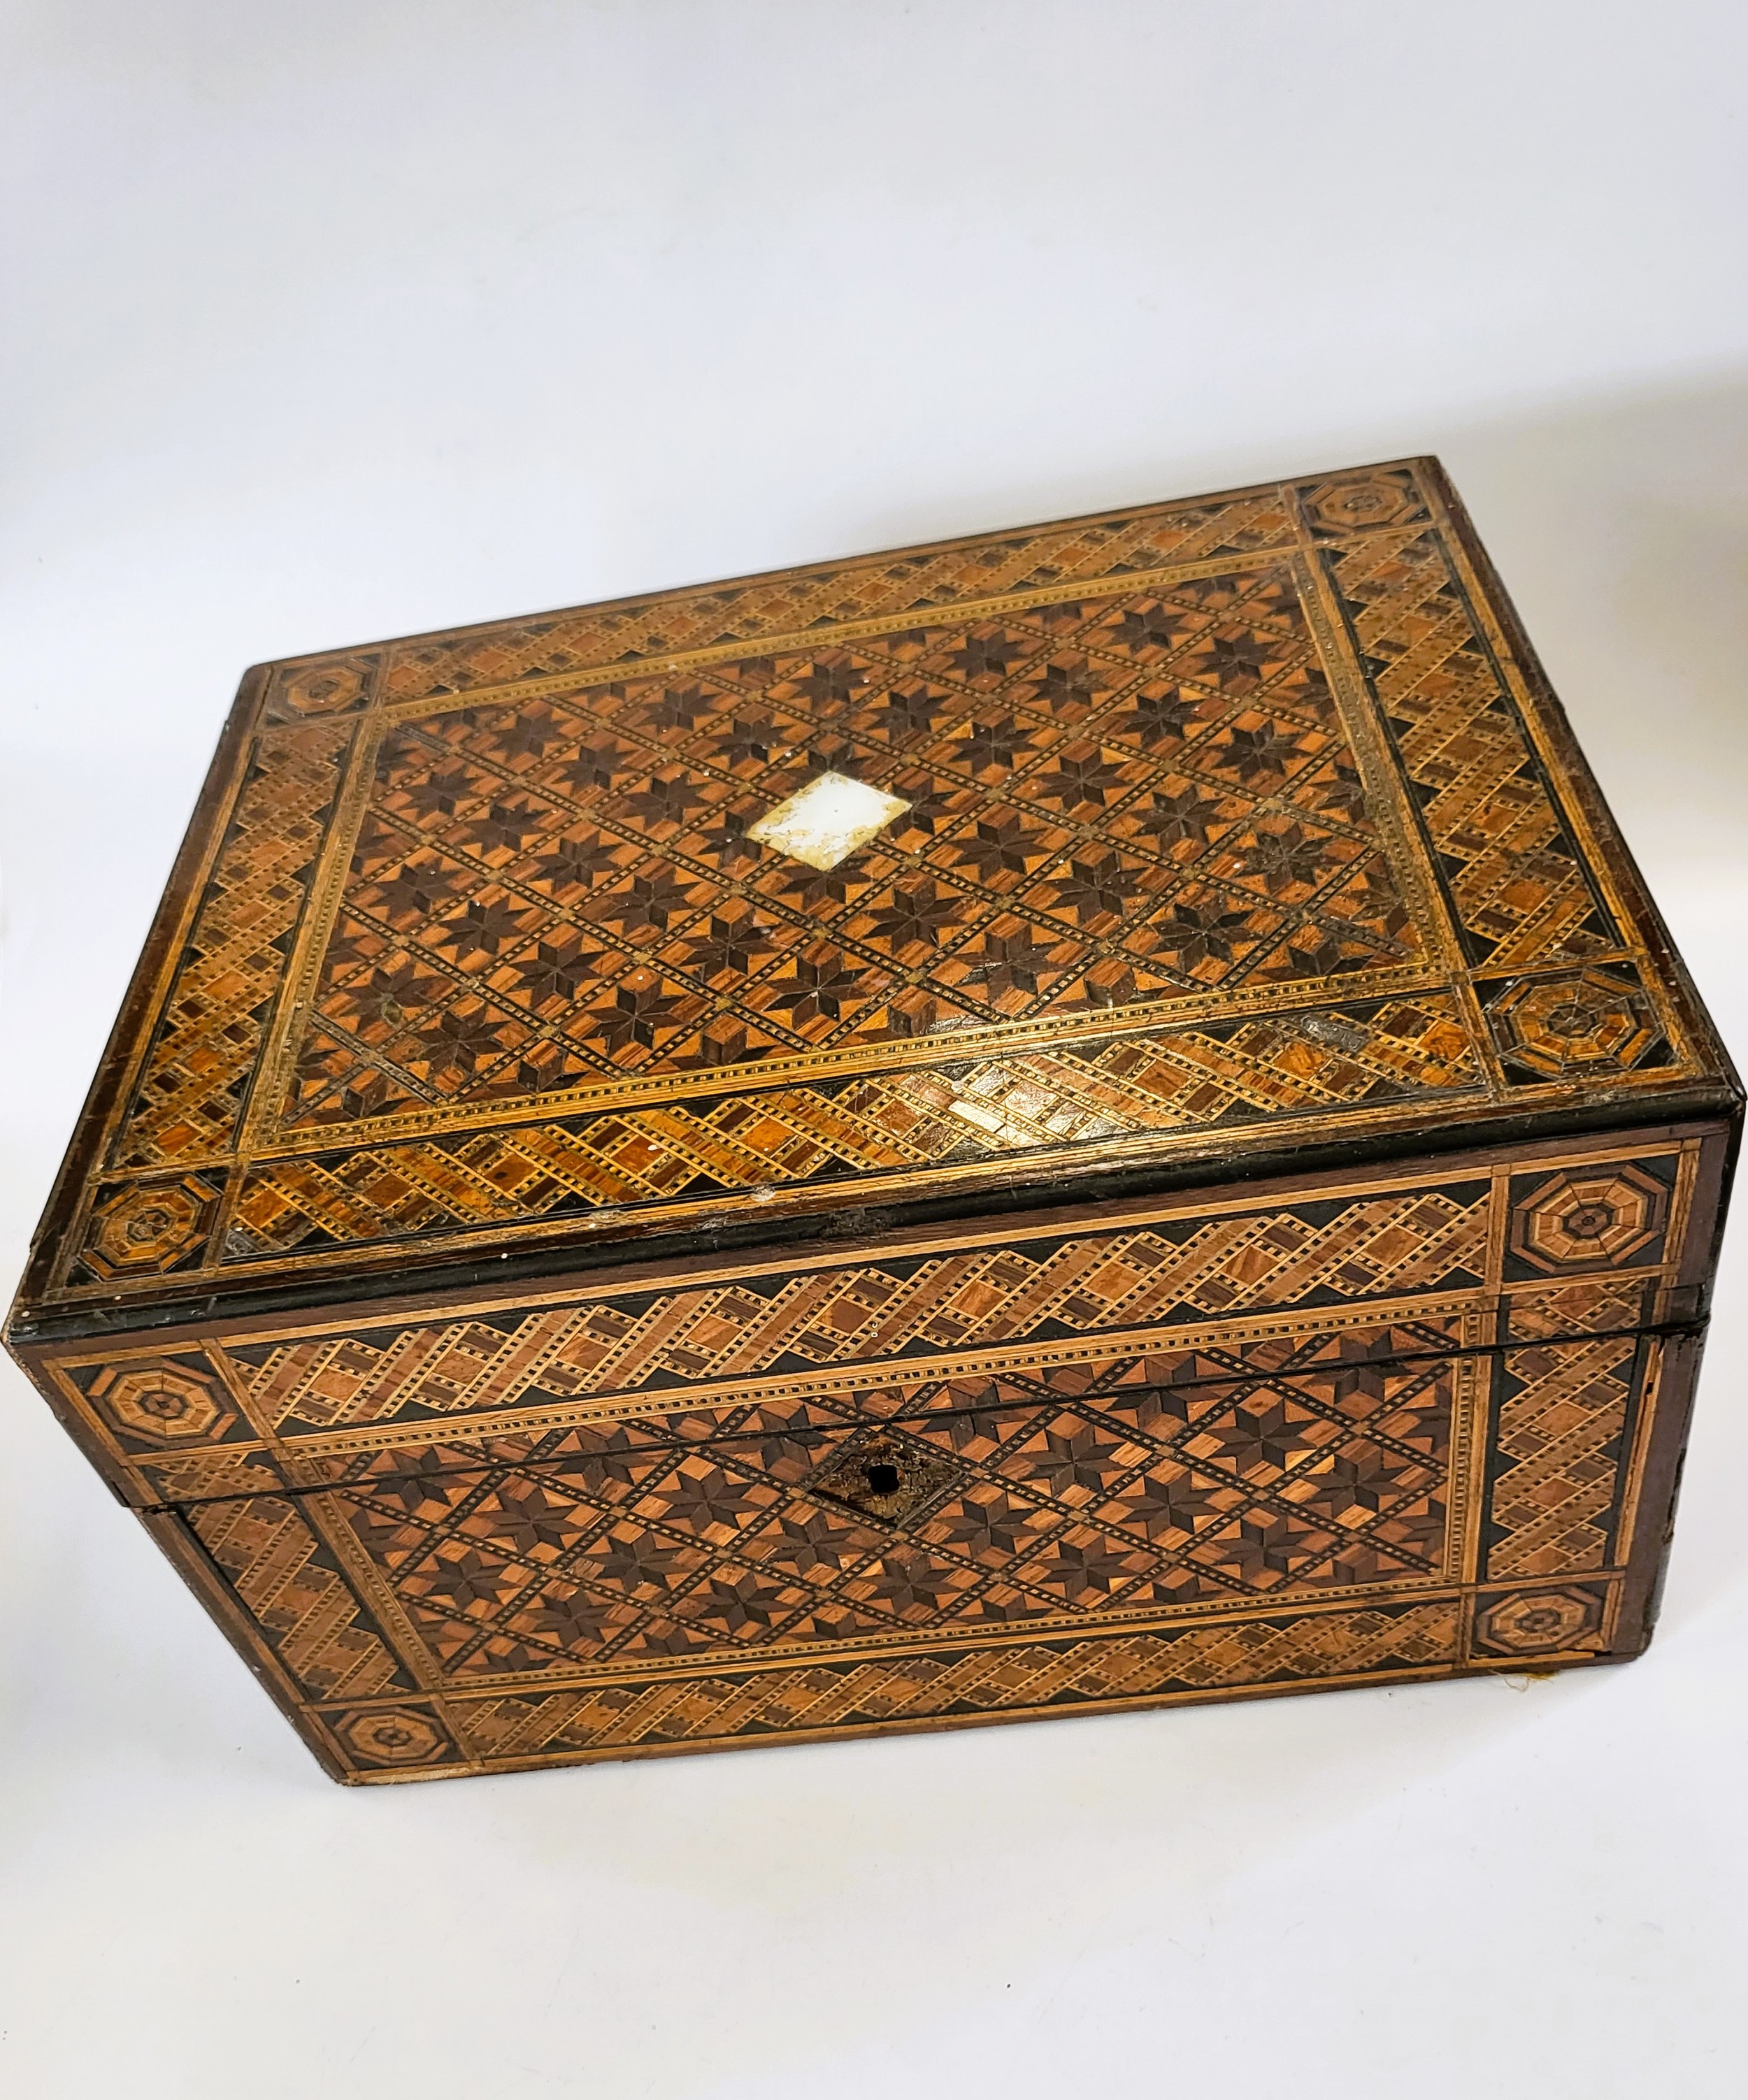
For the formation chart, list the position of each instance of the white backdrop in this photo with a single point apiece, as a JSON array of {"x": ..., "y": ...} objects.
[{"x": 337, "y": 320}]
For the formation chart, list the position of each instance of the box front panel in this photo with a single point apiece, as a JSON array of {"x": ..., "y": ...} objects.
[{"x": 1400, "y": 1427}]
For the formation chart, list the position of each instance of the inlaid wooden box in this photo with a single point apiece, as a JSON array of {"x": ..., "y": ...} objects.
[{"x": 1080, "y": 1118}]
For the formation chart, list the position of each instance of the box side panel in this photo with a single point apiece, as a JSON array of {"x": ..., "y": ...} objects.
[
  {"x": 147, "y": 989},
  {"x": 247, "y": 1634},
  {"x": 1402, "y": 1423},
  {"x": 1551, "y": 729},
  {"x": 1656, "y": 1486}
]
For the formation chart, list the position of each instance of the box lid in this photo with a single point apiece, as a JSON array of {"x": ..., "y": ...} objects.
[{"x": 1164, "y": 846}]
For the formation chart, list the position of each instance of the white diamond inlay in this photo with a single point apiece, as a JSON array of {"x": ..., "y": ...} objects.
[{"x": 826, "y": 820}]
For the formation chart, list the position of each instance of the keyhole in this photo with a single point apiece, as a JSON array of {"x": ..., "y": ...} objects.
[{"x": 883, "y": 1480}]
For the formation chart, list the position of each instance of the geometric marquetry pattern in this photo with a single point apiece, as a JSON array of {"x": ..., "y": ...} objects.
[
  {"x": 1204, "y": 805},
  {"x": 1562, "y": 1417},
  {"x": 1516, "y": 883},
  {"x": 631, "y": 1550},
  {"x": 925, "y": 579},
  {"x": 1190, "y": 1078},
  {"x": 390, "y": 1735},
  {"x": 287, "y": 1582},
  {"x": 1572, "y": 1023},
  {"x": 207, "y": 1044},
  {"x": 756, "y": 1325},
  {"x": 1379, "y": 1432},
  {"x": 1110, "y": 801},
  {"x": 1593, "y": 1307},
  {"x": 1608, "y": 1216},
  {"x": 1027, "y": 1676},
  {"x": 207, "y": 1476},
  {"x": 1542, "y": 1620},
  {"x": 189, "y": 1096}
]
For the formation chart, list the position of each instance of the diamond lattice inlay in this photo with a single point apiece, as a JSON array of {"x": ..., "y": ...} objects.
[
  {"x": 1004, "y": 1505},
  {"x": 1103, "y": 803}
]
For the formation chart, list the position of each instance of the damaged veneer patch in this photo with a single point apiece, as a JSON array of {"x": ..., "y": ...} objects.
[{"x": 826, "y": 821}]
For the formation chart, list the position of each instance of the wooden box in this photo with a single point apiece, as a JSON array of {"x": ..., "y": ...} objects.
[{"x": 1080, "y": 1118}]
